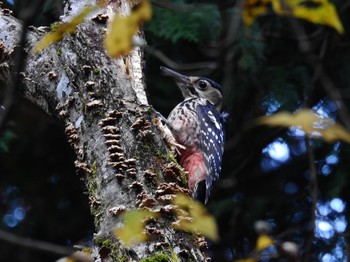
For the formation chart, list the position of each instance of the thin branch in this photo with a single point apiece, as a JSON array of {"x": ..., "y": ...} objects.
[
  {"x": 316, "y": 75},
  {"x": 178, "y": 7},
  {"x": 176, "y": 66},
  {"x": 10, "y": 91},
  {"x": 313, "y": 189},
  {"x": 228, "y": 58},
  {"x": 288, "y": 36},
  {"x": 347, "y": 249},
  {"x": 43, "y": 246},
  {"x": 345, "y": 7},
  {"x": 27, "y": 14},
  {"x": 313, "y": 184},
  {"x": 327, "y": 83}
]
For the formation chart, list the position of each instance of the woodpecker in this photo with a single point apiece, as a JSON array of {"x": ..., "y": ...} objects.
[{"x": 197, "y": 124}]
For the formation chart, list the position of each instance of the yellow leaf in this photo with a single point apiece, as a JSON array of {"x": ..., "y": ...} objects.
[
  {"x": 310, "y": 122},
  {"x": 322, "y": 12},
  {"x": 193, "y": 217},
  {"x": 253, "y": 9},
  {"x": 61, "y": 30},
  {"x": 119, "y": 40},
  {"x": 315, "y": 11},
  {"x": 263, "y": 242},
  {"x": 246, "y": 260},
  {"x": 133, "y": 230}
]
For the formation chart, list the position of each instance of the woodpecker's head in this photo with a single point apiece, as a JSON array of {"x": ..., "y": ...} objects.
[{"x": 194, "y": 86}]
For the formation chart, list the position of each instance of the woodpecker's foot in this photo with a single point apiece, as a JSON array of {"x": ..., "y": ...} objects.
[
  {"x": 168, "y": 136},
  {"x": 162, "y": 118}
]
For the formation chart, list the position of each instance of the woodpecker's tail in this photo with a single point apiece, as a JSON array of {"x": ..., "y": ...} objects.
[{"x": 200, "y": 192}]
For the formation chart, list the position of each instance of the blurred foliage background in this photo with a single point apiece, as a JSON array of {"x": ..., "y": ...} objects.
[{"x": 267, "y": 176}]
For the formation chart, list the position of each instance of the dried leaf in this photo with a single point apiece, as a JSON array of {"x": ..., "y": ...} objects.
[
  {"x": 193, "y": 217},
  {"x": 310, "y": 122},
  {"x": 61, "y": 30},
  {"x": 134, "y": 224},
  {"x": 315, "y": 11},
  {"x": 263, "y": 242},
  {"x": 119, "y": 40}
]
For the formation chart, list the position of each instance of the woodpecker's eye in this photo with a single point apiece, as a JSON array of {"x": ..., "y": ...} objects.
[{"x": 202, "y": 84}]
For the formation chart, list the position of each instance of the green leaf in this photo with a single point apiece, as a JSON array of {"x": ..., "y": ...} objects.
[
  {"x": 201, "y": 25},
  {"x": 5, "y": 140}
]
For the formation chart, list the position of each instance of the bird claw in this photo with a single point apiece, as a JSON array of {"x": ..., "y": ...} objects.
[
  {"x": 167, "y": 134},
  {"x": 162, "y": 118}
]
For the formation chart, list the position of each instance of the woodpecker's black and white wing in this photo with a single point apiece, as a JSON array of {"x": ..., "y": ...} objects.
[{"x": 212, "y": 140}]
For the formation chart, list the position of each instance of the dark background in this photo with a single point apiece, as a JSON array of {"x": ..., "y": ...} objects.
[{"x": 266, "y": 171}]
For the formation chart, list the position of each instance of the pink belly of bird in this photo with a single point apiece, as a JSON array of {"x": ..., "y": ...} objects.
[{"x": 193, "y": 163}]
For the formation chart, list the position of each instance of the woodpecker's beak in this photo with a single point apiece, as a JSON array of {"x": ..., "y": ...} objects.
[{"x": 180, "y": 79}]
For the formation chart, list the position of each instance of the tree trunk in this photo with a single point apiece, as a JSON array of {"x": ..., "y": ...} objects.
[{"x": 120, "y": 152}]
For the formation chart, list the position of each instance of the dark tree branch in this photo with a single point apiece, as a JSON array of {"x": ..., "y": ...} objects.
[
  {"x": 43, "y": 246},
  {"x": 228, "y": 61},
  {"x": 176, "y": 66},
  {"x": 178, "y": 7},
  {"x": 313, "y": 189},
  {"x": 328, "y": 85},
  {"x": 27, "y": 14}
]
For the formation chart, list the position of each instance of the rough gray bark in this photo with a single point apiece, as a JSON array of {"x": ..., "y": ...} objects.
[{"x": 119, "y": 149}]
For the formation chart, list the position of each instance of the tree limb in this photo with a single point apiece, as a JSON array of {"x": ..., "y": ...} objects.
[
  {"x": 110, "y": 127},
  {"x": 43, "y": 246}
]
